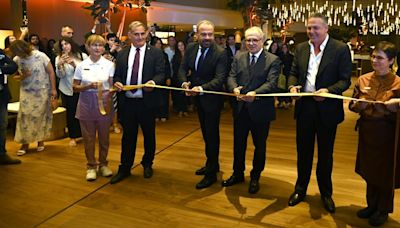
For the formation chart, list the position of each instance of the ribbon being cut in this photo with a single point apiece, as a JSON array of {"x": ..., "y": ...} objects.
[{"x": 103, "y": 111}]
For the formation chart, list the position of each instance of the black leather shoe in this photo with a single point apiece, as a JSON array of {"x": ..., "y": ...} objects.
[
  {"x": 7, "y": 160},
  {"x": 365, "y": 212},
  {"x": 254, "y": 186},
  {"x": 234, "y": 179},
  {"x": 119, "y": 177},
  {"x": 328, "y": 204},
  {"x": 201, "y": 171},
  {"x": 378, "y": 218},
  {"x": 296, "y": 198},
  {"x": 147, "y": 172},
  {"x": 206, "y": 182}
]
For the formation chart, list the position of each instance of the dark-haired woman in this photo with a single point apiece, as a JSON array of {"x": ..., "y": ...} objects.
[
  {"x": 66, "y": 62},
  {"x": 377, "y": 161}
]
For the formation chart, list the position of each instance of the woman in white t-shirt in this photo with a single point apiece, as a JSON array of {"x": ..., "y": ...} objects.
[{"x": 89, "y": 74}]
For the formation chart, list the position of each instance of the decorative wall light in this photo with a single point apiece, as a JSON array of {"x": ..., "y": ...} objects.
[{"x": 379, "y": 17}]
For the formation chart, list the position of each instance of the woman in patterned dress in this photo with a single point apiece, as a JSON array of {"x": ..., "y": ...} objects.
[{"x": 38, "y": 88}]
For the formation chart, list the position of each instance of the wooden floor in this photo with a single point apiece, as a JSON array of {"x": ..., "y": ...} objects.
[{"x": 49, "y": 188}]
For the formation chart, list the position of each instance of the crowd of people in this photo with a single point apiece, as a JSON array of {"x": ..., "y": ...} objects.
[{"x": 320, "y": 65}]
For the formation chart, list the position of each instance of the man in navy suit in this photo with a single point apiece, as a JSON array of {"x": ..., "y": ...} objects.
[
  {"x": 207, "y": 64},
  {"x": 138, "y": 64},
  {"x": 7, "y": 66},
  {"x": 320, "y": 65},
  {"x": 252, "y": 72}
]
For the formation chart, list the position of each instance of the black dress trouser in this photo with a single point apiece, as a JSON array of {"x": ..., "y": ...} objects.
[{"x": 309, "y": 126}]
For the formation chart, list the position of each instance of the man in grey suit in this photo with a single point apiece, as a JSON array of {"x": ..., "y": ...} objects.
[
  {"x": 320, "y": 65},
  {"x": 138, "y": 64},
  {"x": 204, "y": 67},
  {"x": 252, "y": 72}
]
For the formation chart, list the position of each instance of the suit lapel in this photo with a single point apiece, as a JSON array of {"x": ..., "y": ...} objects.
[
  {"x": 305, "y": 58},
  {"x": 258, "y": 66},
  {"x": 207, "y": 58},
  {"x": 146, "y": 60},
  {"x": 326, "y": 57},
  {"x": 125, "y": 65}
]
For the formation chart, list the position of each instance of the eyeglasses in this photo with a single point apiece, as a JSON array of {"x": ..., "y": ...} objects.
[
  {"x": 252, "y": 40},
  {"x": 377, "y": 57}
]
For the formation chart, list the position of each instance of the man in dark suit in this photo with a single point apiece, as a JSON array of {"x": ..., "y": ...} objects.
[
  {"x": 320, "y": 65},
  {"x": 206, "y": 62},
  {"x": 231, "y": 49},
  {"x": 7, "y": 66},
  {"x": 254, "y": 71},
  {"x": 138, "y": 64}
]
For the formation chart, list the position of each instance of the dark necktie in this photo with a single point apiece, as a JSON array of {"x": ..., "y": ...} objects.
[
  {"x": 135, "y": 69},
  {"x": 253, "y": 60},
  {"x": 201, "y": 58}
]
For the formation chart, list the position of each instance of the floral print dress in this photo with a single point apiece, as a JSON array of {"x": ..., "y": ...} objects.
[{"x": 34, "y": 121}]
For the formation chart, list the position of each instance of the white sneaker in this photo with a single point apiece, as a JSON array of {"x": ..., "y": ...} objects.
[
  {"x": 72, "y": 142},
  {"x": 117, "y": 130},
  {"x": 105, "y": 171},
  {"x": 91, "y": 175}
]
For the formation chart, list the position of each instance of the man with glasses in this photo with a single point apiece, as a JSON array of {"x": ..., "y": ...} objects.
[
  {"x": 207, "y": 64},
  {"x": 321, "y": 65},
  {"x": 254, "y": 71},
  {"x": 138, "y": 64}
]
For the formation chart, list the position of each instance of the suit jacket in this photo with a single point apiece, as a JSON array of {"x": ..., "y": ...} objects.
[
  {"x": 153, "y": 69},
  {"x": 262, "y": 77},
  {"x": 230, "y": 55},
  {"x": 334, "y": 73},
  {"x": 211, "y": 76},
  {"x": 7, "y": 66}
]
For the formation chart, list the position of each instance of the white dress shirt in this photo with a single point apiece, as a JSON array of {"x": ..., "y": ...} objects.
[
  {"x": 132, "y": 52},
  {"x": 313, "y": 65}
]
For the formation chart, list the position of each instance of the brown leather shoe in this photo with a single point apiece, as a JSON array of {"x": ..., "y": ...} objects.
[{"x": 7, "y": 160}]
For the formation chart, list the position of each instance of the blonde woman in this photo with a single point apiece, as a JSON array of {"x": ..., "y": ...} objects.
[
  {"x": 88, "y": 75},
  {"x": 38, "y": 87}
]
